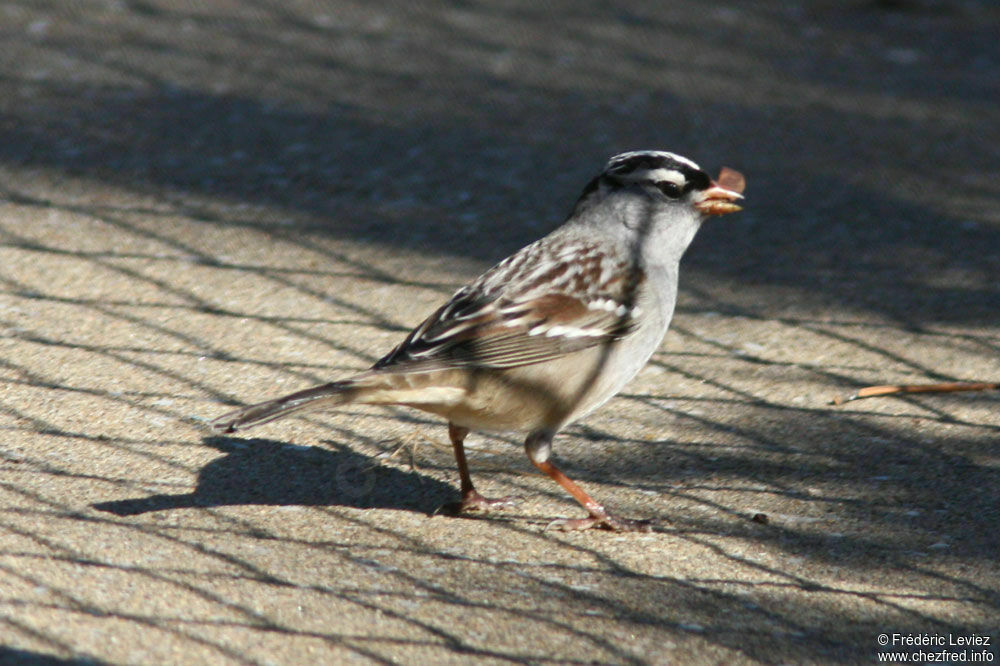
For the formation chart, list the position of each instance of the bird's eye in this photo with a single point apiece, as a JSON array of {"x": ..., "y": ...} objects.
[{"x": 671, "y": 189}]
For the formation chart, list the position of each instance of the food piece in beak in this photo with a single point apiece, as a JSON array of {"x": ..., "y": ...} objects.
[
  {"x": 732, "y": 180},
  {"x": 718, "y": 199}
]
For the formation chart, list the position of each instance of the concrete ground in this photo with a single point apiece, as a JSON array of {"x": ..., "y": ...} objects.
[{"x": 206, "y": 204}]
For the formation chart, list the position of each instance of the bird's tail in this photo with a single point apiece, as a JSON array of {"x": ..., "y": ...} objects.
[{"x": 327, "y": 395}]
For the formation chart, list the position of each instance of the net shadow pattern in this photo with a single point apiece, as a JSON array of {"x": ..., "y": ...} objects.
[{"x": 186, "y": 262}]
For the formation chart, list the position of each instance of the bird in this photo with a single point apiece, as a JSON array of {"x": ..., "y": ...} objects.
[{"x": 550, "y": 333}]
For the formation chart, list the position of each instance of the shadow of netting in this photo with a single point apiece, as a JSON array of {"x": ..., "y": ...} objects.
[
  {"x": 303, "y": 144},
  {"x": 177, "y": 578},
  {"x": 224, "y": 545},
  {"x": 886, "y": 257},
  {"x": 805, "y": 256},
  {"x": 727, "y": 610},
  {"x": 116, "y": 310},
  {"x": 807, "y": 616}
]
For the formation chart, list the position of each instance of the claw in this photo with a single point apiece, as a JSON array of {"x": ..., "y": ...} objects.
[
  {"x": 473, "y": 502},
  {"x": 605, "y": 522}
]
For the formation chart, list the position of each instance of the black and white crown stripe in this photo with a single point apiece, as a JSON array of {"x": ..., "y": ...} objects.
[
  {"x": 649, "y": 159},
  {"x": 657, "y": 167}
]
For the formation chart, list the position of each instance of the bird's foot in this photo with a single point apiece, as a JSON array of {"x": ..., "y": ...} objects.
[
  {"x": 602, "y": 520},
  {"x": 473, "y": 502}
]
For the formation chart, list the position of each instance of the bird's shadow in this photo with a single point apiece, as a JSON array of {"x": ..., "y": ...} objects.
[{"x": 270, "y": 472}]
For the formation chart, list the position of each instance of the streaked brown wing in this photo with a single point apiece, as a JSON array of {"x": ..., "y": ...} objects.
[{"x": 500, "y": 334}]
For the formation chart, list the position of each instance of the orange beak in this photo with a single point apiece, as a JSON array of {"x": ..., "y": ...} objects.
[{"x": 718, "y": 199}]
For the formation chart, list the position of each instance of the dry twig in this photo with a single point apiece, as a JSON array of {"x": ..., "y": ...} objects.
[{"x": 890, "y": 389}]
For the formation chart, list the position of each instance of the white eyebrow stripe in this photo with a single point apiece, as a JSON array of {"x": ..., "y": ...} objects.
[{"x": 670, "y": 175}]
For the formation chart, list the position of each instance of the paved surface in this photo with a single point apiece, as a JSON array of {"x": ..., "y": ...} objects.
[{"x": 205, "y": 206}]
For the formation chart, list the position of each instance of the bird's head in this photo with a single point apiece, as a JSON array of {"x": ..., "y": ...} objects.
[
  {"x": 659, "y": 198},
  {"x": 668, "y": 180}
]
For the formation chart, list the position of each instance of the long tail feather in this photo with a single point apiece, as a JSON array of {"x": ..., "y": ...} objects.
[{"x": 334, "y": 393}]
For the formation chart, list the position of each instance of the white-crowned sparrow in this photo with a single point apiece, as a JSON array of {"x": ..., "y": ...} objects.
[{"x": 551, "y": 332}]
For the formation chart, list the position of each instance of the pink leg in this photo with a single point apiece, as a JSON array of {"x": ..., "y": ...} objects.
[
  {"x": 539, "y": 446},
  {"x": 471, "y": 499}
]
